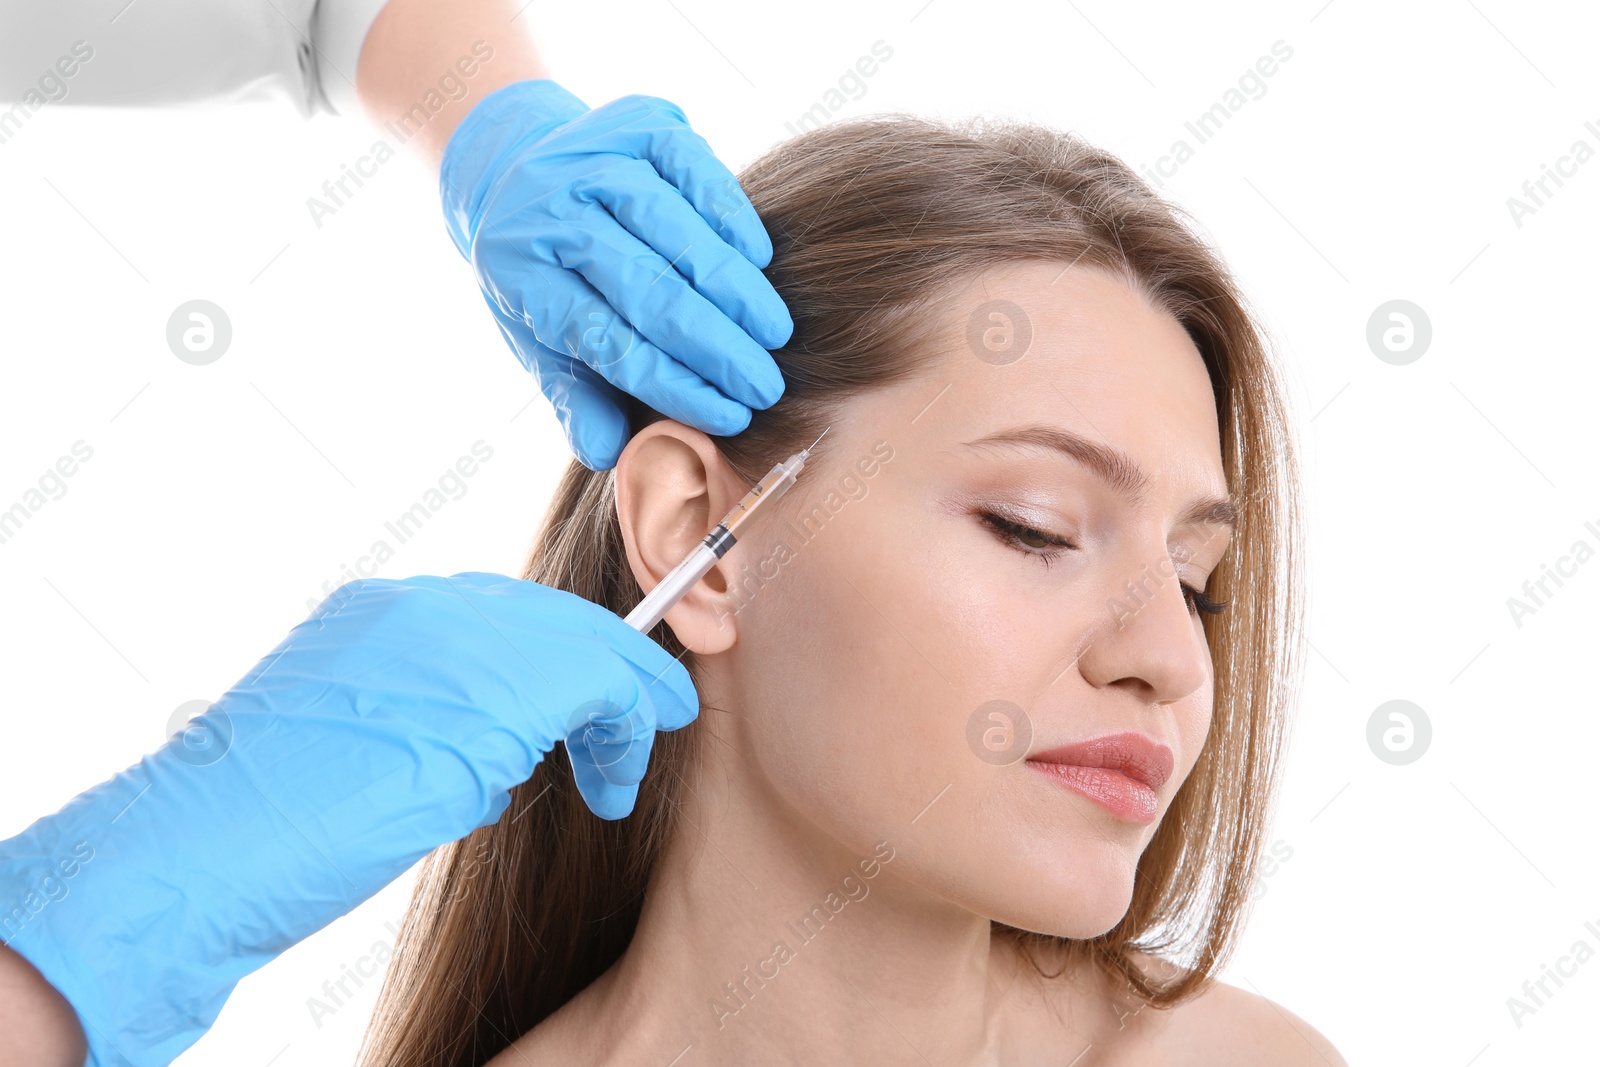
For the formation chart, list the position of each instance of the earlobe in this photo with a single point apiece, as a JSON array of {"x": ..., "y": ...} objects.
[{"x": 672, "y": 486}]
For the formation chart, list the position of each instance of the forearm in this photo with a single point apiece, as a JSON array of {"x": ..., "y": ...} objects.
[
  {"x": 37, "y": 1025},
  {"x": 426, "y": 63}
]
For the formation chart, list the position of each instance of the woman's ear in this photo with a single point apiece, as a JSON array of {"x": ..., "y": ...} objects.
[{"x": 672, "y": 487}]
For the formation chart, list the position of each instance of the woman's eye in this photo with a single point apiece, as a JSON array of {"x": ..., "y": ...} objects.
[
  {"x": 1199, "y": 602},
  {"x": 1045, "y": 547},
  {"x": 1037, "y": 543}
]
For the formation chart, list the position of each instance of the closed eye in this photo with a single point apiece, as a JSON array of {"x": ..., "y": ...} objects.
[
  {"x": 1023, "y": 537},
  {"x": 1047, "y": 547}
]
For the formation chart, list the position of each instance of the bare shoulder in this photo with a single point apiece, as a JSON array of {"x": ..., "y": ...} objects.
[
  {"x": 1221, "y": 1026},
  {"x": 1229, "y": 1025}
]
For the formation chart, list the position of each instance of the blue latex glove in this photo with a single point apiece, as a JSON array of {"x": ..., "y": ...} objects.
[
  {"x": 394, "y": 719},
  {"x": 618, "y": 254}
]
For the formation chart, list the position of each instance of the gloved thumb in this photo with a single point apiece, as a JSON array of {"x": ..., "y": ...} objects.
[
  {"x": 589, "y": 408},
  {"x": 609, "y": 751}
]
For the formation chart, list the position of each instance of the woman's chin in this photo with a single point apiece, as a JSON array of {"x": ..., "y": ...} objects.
[
  {"x": 1082, "y": 924},
  {"x": 1085, "y": 908}
]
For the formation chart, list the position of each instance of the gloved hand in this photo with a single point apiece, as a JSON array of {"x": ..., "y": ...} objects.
[
  {"x": 392, "y": 720},
  {"x": 617, "y": 254}
]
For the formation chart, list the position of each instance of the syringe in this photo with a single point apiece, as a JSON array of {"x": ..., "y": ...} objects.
[{"x": 682, "y": 578}]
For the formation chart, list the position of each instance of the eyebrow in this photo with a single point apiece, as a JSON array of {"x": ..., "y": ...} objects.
[{"x": 1116, "y": 468}]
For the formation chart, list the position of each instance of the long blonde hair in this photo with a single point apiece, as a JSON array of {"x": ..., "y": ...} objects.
[{"x": 871, "y": 220}]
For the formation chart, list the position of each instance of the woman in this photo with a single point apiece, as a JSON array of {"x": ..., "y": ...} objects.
[{"x": 992, "y": 704}]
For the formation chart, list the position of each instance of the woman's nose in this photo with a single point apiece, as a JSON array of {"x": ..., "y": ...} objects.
[{"x": 1145, "y": 638}]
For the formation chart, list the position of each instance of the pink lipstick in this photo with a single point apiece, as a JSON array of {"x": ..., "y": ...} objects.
[{"x": 1119, "y": 772}]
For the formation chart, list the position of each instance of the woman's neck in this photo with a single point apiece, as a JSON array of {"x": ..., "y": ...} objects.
[{"x": 762, "y": 941}]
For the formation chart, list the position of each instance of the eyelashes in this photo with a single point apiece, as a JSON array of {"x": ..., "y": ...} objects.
[
  {"x": 1046, "y": 547},
  {"x": 1019, "y": 536}
]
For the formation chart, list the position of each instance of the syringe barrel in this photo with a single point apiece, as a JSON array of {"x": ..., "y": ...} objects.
[
  {"x": 678, "y": 581},
  {"x": 694, "y": 566},
  {"x": 769, "y": 488}
]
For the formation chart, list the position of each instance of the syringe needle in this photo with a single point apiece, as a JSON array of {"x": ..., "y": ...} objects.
[{"x": 715, "y": 545}]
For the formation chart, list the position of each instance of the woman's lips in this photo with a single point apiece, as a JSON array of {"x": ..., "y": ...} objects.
[{"x": 1120, "y": 772}]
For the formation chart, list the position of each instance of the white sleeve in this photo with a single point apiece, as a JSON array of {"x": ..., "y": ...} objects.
[{"x": 149, "y": 52}]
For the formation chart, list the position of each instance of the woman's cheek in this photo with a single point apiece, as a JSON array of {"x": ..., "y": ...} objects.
[
  {"x": 841, "y": 694},
  {"x": 1194, "y": 724}
]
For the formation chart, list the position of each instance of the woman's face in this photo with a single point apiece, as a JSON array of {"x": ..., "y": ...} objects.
[{"x": 925, "y": 614}]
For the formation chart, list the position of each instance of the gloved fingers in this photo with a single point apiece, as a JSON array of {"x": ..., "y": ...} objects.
[
  {"x": 610, "y": 737},
  {"x": 497, "y": 807},
  {"x": 641, "y": 671},
  {"x": 604, "y": 799},
  {"x": 646, "y": 290},
  {"x": 609, "y": 751},
  {"x": 676, "y": 391},
  {"x": 653, "y": 211},
  {"x": 660, "y": 676},
  {"x": 608, "y": 348},
  {"x": 588, "y": 407},
  {"x": 656, "y": 130}
]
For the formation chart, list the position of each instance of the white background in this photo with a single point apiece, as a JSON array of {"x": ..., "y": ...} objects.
[{"x": 1376, "y": 166}]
